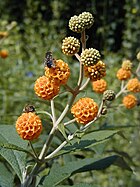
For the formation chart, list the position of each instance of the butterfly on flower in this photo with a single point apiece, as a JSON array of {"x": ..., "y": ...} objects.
[{"x": 49, "y": 61}]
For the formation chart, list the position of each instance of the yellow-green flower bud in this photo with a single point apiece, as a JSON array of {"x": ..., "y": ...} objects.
[
  {"x": 90, "y": 57},
  {"x": 70, "y": 46},
  {"x": 109, "y": 95}
]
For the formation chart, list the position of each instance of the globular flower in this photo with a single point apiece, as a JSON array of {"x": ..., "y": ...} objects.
[
  {"x": 79, "y": 23},
  {"x": 127, "y": 64},
  {"x": 129, "y": 101},
  {"x": 60, "y": 73},
  {"x": 123, "y": 74},
  {"x": 84, "y": 110},
  {"x": 99, "y": 86},
  {"x": 76, "y": 25},
  {"x": 29, "y": 126},
  {"x": 90, "y": 57},
  {"x": 95, "y": 72},
  {"x": 46, "y": 88},
  {"x": 70, "y": 46},
  {"x": 4, "y": 53},
  {"x": 109, "y": 95},
  {"x": 87, "y": 18},
  {"x": 133, "y": 85}
]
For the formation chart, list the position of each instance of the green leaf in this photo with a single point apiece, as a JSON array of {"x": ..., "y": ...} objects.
[
  {"x": 14, "y": 147},
  {"x": 6, "y": 177},
  {"x": 89, "y": 140},
  {"x": 120, "y": 162},
  {"x": 16, "y": 159},
  {"x": 61, "y": 128},
  {"x": 59, "y": 173}
]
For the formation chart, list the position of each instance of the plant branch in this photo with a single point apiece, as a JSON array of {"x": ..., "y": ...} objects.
[
  {"x": 69, "y": 122},
  {"x": 85, "y": 84},
  {"x": 45, "y": 112},
  {"x": 53, "y": 112},
  {"x": 121, "y": 91}
]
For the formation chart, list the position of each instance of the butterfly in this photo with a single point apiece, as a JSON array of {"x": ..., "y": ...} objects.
[{"x": 49, "y": 61}]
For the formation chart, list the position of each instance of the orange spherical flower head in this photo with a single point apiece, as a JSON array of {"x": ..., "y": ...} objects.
[
  {"x": 133, "y": 85},
  {"x": 4, "y": 53},
  {"x": 46, "y": 88},
  {"x": 129, "y": 101},
  {"x": 84, "y": 110},
  {"x": 127, "y": 64},
  {"x": 123, "y": 74},
  {"x": 60, "y": 73},
  {"x": 95, "y": 72},
  {"x": 99, "y": 86},
  {"x": 29, "y": 126},
  {"x": 70, "y": 46}
]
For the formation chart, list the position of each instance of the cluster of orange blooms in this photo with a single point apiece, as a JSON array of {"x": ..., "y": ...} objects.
[
  {"x": 48, "y": 86},
  {"x": 29, "y": 125},
  {"x": 84, "y": 110},
  {"x": 133, "y": 84}
]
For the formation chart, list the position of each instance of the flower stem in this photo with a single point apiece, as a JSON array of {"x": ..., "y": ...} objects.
[
  {"x": 53, "y": 112},
  {"x": 33, "y": 149}
]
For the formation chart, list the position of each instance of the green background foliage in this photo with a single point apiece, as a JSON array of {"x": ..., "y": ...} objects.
[{"x": 40, "y": 27}]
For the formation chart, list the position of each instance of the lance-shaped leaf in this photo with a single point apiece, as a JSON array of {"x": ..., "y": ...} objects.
[
  {"x": 16, "y": 159},
  {"x": 6, "y": 177},
  {"x": 59, "y": 173},
  {"x": 88, "y": 141}
]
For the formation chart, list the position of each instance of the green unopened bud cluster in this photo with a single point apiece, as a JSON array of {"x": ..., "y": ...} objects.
[
  {"x": 126, "y": 64},
  {"x": 90, "y": 57},
  {"x": 81, "y": 22},
  {"x": 70, "y": 46},
  {"x": 109, "y": 95}
]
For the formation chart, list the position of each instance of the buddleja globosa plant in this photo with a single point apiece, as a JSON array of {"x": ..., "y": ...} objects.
[{"x": 39, "y": 164}]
